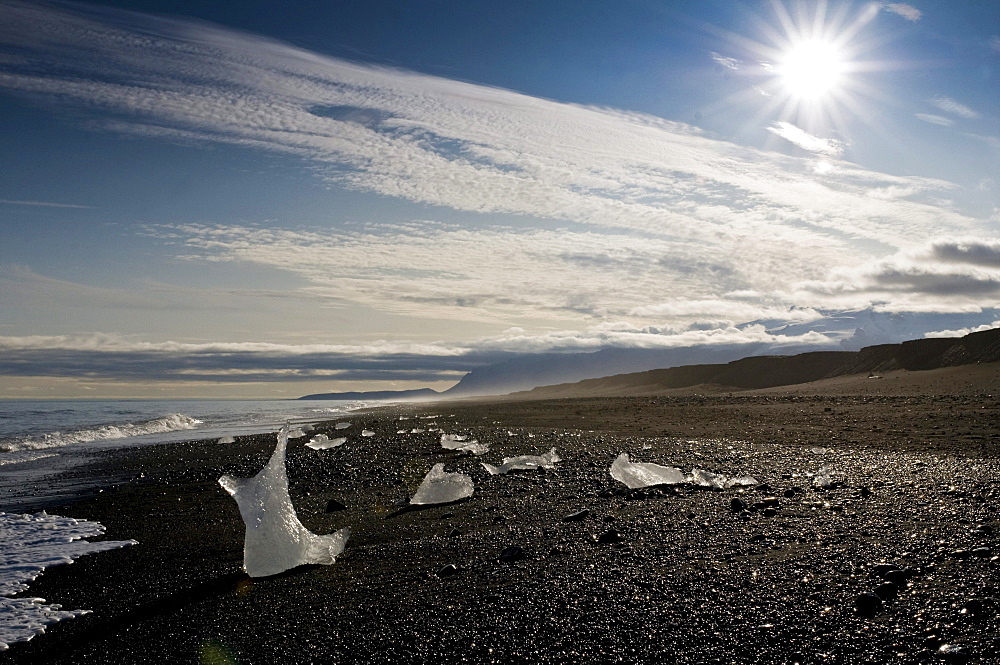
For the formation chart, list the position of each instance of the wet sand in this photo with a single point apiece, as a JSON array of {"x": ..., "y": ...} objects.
[{"x": 659, "y": 575}]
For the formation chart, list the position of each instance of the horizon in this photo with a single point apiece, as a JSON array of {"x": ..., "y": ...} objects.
[{"x": 247, "y": 201}]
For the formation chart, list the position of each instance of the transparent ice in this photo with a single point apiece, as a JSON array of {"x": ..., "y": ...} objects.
[
  {"x": 440, "y": 486},
  {"x": 524, "y": 463},
  {"x": 644, "y": 474},
  {"x": 458, "y": 442},
  {"x": 275, "y": 538},
  {"x": 323, "y": 442}
]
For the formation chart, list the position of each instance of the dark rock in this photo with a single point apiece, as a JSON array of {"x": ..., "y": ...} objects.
[
  {"x": 448, "y": 571},
  {"x": 899, "y": 576},
  {"x": 983, "y": 552},
  {"x": 880, "y": 569},
  {"x": 868, "y": 604},
  {"x": 769, "y": 512},
  {"x": 333, "y": 506},
  {"x": 770, "y": 501},
  {"x": 578, "y": 516},
  {"x": 887, "y": 591},
  {"x": 983, "y": 530},
  {"x": 447, "y": 516},
  {"x": 738, "y": 505},
  {"x": 789, "y": 493},
  {"x": 454, "y": 532},
  {"x": 611, "y": 537},
  {"x": 865, "y": 493},
  {"x": 512, "y": 554}
]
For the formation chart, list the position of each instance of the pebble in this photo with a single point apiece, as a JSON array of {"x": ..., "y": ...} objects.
[
  {"x": 611, "y": 537},
  {"x": 868, "y": 604},
  {"x": 448, "y": 571},
  {"x": 333, "y": 506},
  {"x": 512, "y": 554},
  {"x": 738, "y": 505},
  {"x": 887, "y": 591}
]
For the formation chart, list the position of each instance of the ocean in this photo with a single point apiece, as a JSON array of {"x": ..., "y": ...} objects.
[{"x": 39, "y": 439}]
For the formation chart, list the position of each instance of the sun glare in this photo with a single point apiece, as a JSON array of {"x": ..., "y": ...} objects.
[{"x": 811, "y": 69}]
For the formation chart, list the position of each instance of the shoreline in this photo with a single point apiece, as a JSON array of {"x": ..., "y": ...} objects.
[{"x": 689, "y": 581}]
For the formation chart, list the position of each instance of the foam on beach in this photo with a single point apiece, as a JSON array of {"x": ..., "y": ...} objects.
[{"x": 32, "y": 543}]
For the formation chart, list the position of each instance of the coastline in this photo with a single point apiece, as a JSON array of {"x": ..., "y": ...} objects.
[{"x": 688, "y": 581}]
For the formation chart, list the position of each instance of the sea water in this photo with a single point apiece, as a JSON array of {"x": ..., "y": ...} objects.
[{"x": 41, "y": 439}]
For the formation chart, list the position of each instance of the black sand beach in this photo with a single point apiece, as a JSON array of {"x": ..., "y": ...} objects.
[{"x": 600, "y": 573}]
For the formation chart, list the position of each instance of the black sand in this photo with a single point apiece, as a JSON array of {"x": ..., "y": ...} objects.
[{"x": 681, "y": 577}]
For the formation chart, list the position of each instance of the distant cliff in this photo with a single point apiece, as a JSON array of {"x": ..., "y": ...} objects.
[
  {"x": 772, "y": 371},
  {"x": 388, "y": 395}
]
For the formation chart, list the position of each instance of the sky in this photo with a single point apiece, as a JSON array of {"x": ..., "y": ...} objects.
[{"x": 262, "y": 199}]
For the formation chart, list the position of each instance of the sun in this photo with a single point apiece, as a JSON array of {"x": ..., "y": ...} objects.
[{"x": 812, "y": 69}]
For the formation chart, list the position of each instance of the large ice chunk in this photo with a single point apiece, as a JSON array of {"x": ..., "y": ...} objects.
[
  {"x": 440, "y": 486},
  {"x": 275, "y": 538},
  {"x": 524, "y": 463},
  {"x": 458, "y": 442},
  {"x": 644, "y": 474}
]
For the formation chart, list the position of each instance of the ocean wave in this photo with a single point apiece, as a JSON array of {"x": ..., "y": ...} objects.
[{"x": 171, "y": 423}]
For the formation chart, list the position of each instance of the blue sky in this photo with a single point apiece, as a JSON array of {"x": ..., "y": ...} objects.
[{"x": 254, "y": 199}]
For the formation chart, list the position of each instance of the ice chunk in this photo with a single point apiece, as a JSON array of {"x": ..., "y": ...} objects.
[
  {"x": 275, "y": 538},
  {"x": 458, "y": 442},
  {"x": 822, "y": 477},
  {"x": 440, "y": 486},
  {"x": 296, "y": 433},
  {"x": 323, "y": 442},
  {"x": 227, "y": 439},
  {"x": 524, "y": 463},
  {"x": 367, "y": 432},
  {"x": 417, "y": 430},
  {"x": 644, "y": 474},
  {"x": 709, "y": 479},
  {"x": 341, "y": 425}
]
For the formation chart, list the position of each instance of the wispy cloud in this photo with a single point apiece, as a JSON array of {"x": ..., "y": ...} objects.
[
  {"x": 805, "y": 140},
  {"x": 909, "y": 12},
  {"x": 728, "y": 63},
  {"x": 42, "y": 204},
  {"x": 949, "y": 105},
  {"x": 935, "y": 119}
]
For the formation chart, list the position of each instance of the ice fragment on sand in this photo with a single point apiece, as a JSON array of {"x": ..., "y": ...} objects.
[
  {"x": 323, "y": 442},
  {"x": 296, "y": 432},
  {"x": 709, "y": 479},
  {"x": 275, "y": 538},
  {"x": 458, "y": 442},
  {"x": 822, "y": 477},
  {"x": 342, "y": 425},
  {"x": 227, "y": 439},
  {"x": 644, "y": 474},
  {"x": 524, "y": 462},
  {"x": 440, "y": 486},
  {"x": 367, "y": 432}
]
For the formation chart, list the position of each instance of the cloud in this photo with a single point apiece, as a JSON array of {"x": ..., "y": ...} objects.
[
  {"x": 966, "y": 271},
  {"x": 728, "y": 63},
  {"x": 909, "y": 12},
  {"x": 935, "y": 119},
  {"x": 949, "y": 105},
  {"x": 806, "y": 141},
  {"x": 42, "y": 204},
  {"x": 962, "y": 332}
]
